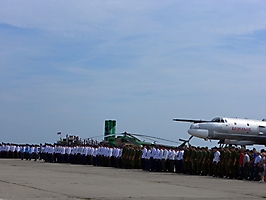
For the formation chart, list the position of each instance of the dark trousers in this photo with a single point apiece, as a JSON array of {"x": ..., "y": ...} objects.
[
  {"x": 22, "y": 155},
  {"x": 179, "y": 166},
  {"x": 215, "y": 168},
  {"x": 148, "y": 164}
]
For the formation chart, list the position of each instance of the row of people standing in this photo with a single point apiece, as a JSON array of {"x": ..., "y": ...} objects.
[
  {"x": 27, "y": 152},
  {"x": 82, "y": 154},
  {"x": 229, "y": 162},
  {"x": 162, "y": 159}
]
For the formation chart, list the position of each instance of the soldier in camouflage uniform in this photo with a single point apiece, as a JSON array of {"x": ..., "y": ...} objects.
[
  {"x": 236, "y": 166},
  {"x": 221, "y": 163},
  {"x": 185, "y": 159},
  {"x": 210, "y": 158},
  {"x": 232, "y": 163},
  {"x": 189, "y": 163},
  {"x": 131, "y": 158},
  {"x": 125, "y": 157},
  {"x": 227, "y": 160},
  {"x": 137, "y": 160},
  {"x": 199, "y": 160},
  {"x": 204, "y": 161},
  {"x": 194, "y": 160}
]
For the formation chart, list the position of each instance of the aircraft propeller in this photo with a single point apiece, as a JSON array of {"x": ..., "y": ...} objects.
[{"x": 186, "y": 141}]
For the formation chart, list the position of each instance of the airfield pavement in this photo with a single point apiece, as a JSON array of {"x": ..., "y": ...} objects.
[{"x": 39, "y": 180}]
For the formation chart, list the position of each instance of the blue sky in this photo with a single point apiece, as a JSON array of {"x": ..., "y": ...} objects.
[{"x": 69, "y": 65}]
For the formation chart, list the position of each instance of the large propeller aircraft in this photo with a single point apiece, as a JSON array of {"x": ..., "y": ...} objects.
[{"x": 233, "y": 131}]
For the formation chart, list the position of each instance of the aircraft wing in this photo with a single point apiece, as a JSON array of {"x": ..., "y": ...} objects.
[{"x": 191, "y": 120}]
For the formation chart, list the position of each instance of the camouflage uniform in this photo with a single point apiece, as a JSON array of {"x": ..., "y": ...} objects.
[
  {"x": 125, "y": 157},
  {"x": 221, "y": 163},
  {"x": 210, "y": 158},
  {"x": 137, "y": 160},
  {"x": 189, "y": 165},
  {"x": 194, "y": 160},
  {"x": 227, "y": 160},
  {"x": 233, "y": 163},
  {"x": 185, "y": 158},
  {"x": 199, "y": 160},
  {"x": 204, "y": 162}
]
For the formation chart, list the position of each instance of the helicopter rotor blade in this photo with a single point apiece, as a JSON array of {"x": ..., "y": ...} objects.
[{"x": 152, "y": 137}]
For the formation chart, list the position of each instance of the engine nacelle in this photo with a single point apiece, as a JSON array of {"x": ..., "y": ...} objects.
[{"x": 200, "y": 133}]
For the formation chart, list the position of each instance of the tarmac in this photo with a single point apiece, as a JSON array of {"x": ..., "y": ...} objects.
[{"x": 47, "y": 181}]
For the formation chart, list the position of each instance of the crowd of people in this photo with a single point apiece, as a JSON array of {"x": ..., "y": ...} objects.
[{"x": 228, "y": 162}]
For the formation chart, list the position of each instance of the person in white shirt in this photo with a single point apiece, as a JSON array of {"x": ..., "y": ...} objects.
[
  {"x": 99, "y": 155},
  {"x": 180, "y": 161},
  {"x": 73, "y": 155},
  {"x": 246, "y": 161},
  {"x": 164, "y": 159},
  {"x": 31, "y": 150},
  {"x": 117, "y": 157},
  {"x": 45, "y": 153},
  {"x": 171, "y": 157},
  {"x": 262, "y": 167},
  {"x": 41, "y": 152},
  {"x": 17, "y": 150},
  {"x": 35, "y": 152},
  {"x": 7, "y": 149},
  {"x": 160, "y": 157},
  {"x": 83, "y": 153},
  {"x": 22, "y": 152},
  {"x": 1, "y": 150},
  {"x": 148, "y": 160},
  {"x": 95, "y": 156},
  {"x": 120, "y": 162},
  {"x": 62, "y": 154},
  {"x": 113, "y": 158},
  {"x": 105, "y": 157},
  {"x": 109, "y": 154},
  {"x": 156, "y": 160},
  {"x": 56, "y": 154},
  {"x": 144, "y": 151},
  {"x": 257, "y": 166},
  {"x": 79, "y": 154},
  {"x": 51, "y": 154},
  {"x": 152, "y": 159},
  {"x": 215, "y": 161},
  {"x": 88, "y": 155},
  {"x": 67, "y": 154},
  {"x": 12, "y": 151}
]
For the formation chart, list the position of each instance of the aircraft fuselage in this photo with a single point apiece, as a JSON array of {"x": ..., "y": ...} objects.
[{"x": 230, "y": 130}]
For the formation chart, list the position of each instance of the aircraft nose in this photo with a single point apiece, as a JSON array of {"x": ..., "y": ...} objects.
[{"x": 201, "y": 133}]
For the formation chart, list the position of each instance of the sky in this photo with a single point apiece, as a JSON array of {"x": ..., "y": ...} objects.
[{"x": 70, "y": 65}]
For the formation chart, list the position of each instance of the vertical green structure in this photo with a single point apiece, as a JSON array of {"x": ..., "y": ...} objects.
[{"x": 109, "y": 129}]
